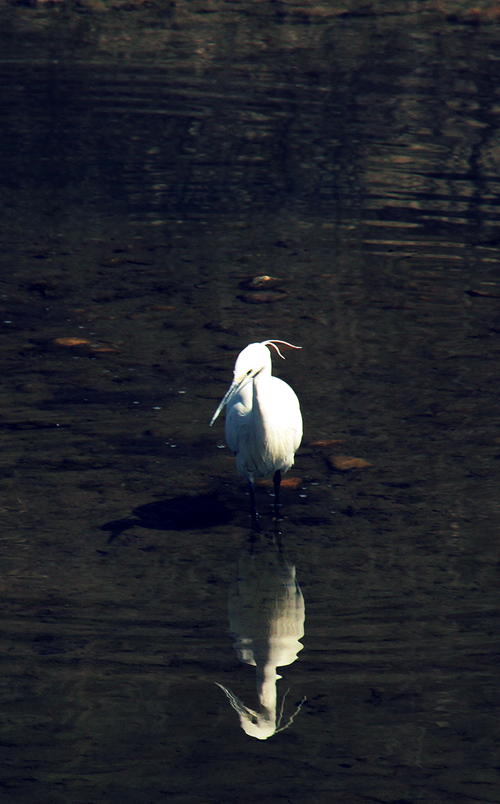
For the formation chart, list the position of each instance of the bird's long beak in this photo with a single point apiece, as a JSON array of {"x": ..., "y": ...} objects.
[
  {"x": 233, "y": 388},
  {"x": 230, "y": 393}
]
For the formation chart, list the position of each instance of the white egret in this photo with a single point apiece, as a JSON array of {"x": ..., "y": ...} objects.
[{"x": 263, "y": 419}]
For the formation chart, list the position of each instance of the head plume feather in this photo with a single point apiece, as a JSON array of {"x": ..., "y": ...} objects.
[{"x": 274, "y": 342}]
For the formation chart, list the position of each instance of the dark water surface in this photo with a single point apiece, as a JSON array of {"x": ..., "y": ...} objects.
[{"x": 152, "y": 164}]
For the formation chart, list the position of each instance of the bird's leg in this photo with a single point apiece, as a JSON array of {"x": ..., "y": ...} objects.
[
  {"x": 253, "y": 507},
  {"x": 277, "y": 481}
]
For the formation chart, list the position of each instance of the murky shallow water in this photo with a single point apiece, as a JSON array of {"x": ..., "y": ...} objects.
[{"x": 144, "y": 182}]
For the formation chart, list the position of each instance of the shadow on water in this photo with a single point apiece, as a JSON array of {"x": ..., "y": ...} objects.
[{"x": 180, "y": 513}]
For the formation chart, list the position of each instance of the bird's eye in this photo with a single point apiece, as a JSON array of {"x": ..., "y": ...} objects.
[{"x": 249, "y": 372}]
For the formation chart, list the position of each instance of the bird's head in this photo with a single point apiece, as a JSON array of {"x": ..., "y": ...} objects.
[
  {"x": 254, "y": 358},
  {"x": 251, "y": 361}
]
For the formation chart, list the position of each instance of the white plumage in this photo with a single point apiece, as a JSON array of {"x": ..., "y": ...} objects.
[{"x": 263, "y": 419}]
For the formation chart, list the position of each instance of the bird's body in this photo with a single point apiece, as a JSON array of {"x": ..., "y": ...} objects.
[
  {"x": 263, "y": 419},
  {"x": 264, "y": 427}
]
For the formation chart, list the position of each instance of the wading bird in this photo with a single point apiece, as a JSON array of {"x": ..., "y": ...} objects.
[{"x": 263, "y": 419}]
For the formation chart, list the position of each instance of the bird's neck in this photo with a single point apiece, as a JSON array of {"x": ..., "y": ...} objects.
[
  {"x": 258, "y": 408},
  {"x": 261, "y": 377}
]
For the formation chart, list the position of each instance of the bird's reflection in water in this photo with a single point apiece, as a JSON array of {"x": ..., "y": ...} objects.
[{"x": 266, "y": 615}]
